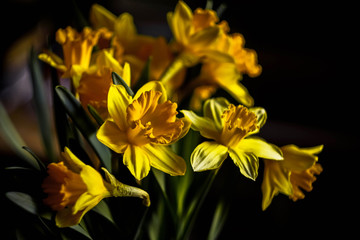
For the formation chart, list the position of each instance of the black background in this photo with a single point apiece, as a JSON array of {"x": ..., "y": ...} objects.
[{"x": 308, "y": 85}]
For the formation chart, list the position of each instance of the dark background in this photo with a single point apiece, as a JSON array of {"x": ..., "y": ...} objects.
[{"x": 308, "y": 86}]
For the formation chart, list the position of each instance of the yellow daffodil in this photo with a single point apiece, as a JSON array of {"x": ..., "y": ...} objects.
[
  {"x": 231, "y": 128},
  {"x": 288, "y": 177},
  {"x": 142, "y": 127},
  {"x": 95, "y": 82},
  {"x": 74, "y": 188},
  {"x": 77, "y": 48},
  {"x": 131, "y": 47},
  {"x": 195, "y": 34}
]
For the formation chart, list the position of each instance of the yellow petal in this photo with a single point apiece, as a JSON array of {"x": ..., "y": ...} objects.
[
  {"x": 118, "y": 101},
  {"x": 112, "y": 136},
  {"x": 94, "y": 181},
  {"x": 204, "y": 125},
  {"x": 65, "y": 218},
  {"x": 260, "y": 148},
  {"x": 248, "y": 163},
  {"x": 138, "y": 161},
  {"x": 71, "y": 161},
  {"x": 313, "y": 150},
  {"x": 296, "y": 159},
  {"x": 208, "y": 156},
  {"x": 239, "y": 92},
  {"x": 101, "y": 17},
  {"x": 155, "y": 86},
  {"x": 276, "y": 179},
  {"x": 126, "y": 75},
  {"x": 53, "y": 60},
  {"x": 180, "y": 22},
  {"x": 203, "y": 40},
  {"x": 164, "y": 159},
  {"x": 214, "y": 108},
  {"x": 124, "y": 27}
]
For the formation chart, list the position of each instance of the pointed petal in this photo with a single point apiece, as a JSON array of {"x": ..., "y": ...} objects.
[
  {"x": 203, "y": 40},
  {"x": 118, "y": 101},
  {"x": 53, "y": 60},
  {"x": 127, "y": 74},
  {"x": 101, "y": 17},
  {"x": 261, "y": 117},
  {"x": 239, "y": 92},
  {"x": 205, "y": 125},
  {"x": 276, "y": 179},
  {"x": 214, "y": 108},
  {"x": 112, "y": 136},
  {"x": 164, "y": 159},
  {"x": 296, "y": 159},
  {"x": 155, "y": 86},
  {"x": 248, "y": 163},
  {"x": 208, "y": 156},
  {"x": 93, "y": 181},
  {"x": 313, "y": 150},
  {"x": 71, "y": 161},
  {"x": 137, "y": 161},
  {"x": 180, "y": 22},
  {"x": 260, "y": 148}
]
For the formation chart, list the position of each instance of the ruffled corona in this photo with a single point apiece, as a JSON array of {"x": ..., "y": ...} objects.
[
  {"x": 291, "y": 176},
  {"x": 142, "y": 127},
  {"x": 238, "y": 122}
]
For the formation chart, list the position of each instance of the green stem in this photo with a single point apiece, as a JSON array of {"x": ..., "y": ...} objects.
[
  {"x": 172, "y": 70},
  {"x": 189, "y": 224}
]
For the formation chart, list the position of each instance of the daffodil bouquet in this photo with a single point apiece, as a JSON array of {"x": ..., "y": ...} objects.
[{"x": 137, "y": 117}]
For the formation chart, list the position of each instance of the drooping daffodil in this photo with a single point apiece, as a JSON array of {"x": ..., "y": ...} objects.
[
  {"x": 74, "y": 188},
  {"x": 288, "y": 177},
  {"x": 142, "y": 127},
  {"x": 231, "y": 128}
]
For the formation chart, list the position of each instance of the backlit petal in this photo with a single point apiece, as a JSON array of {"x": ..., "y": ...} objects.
[
  {"x": 260, "y": 148},
  {"x": 214, "y": 108},
  {"x": 276, "y": 179},
  {"x": 164, "y": 159},
  {"x": 101, "y": 17},
  {"x": 208, "y": 156},
  {"x": 118, "y": 100},
  {"x": 155, "y": 86},
  {"x": 296, "y": 159},
  {"x": 71, "y": 161},
  {"x": 248, "y": 163},
  {"x": 138, "y": 161},
  {"x": 205, "y": 125},
  {"x": 112, "y": 136},
  {"x": 239, "y": 92}
]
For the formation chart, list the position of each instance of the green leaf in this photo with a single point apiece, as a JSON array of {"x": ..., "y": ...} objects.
[
  {"x": 103, "y": 209},
  {"x": 13, "y": 139},
  {"x": 28, "y": 203},
  {"x": 95, "y": 115},
  {"x": 220, "y": 215},
  {"x": 41, "y": 105},
  {"x": 84, "y": 124},
  {"x": 41, "y": 164},
  {"x": 117, "y": 80}
]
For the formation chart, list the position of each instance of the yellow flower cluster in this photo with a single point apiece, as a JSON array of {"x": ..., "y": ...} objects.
[{"x": 141, "y": 126}]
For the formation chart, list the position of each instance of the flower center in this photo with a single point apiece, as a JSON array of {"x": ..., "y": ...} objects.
[
  {"x": 237, "y": 123},
  {"x": 63, "y": 186},
  {"x": 151, "y": 121}
]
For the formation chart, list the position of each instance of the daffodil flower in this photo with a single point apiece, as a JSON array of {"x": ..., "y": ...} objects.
[
  {"x": 142, "y": 127},
  {"x": 134, "y": 48},
  {"x": 195, "y": 35},
  {"x": 227, "y": 74},
  {"x": 288, "y": 177},
  {"x": 74, "y": 188},
  {"x": 231, "y": 127},
  {"x": 77, "y": 48},
  {"x": 95, "y": 82}
]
